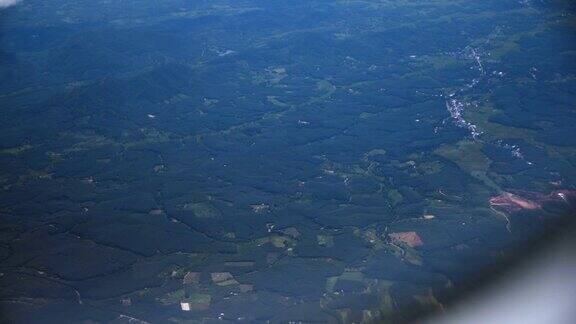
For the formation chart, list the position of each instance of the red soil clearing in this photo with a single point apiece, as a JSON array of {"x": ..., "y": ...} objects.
[{"x": 412, "y": 239}]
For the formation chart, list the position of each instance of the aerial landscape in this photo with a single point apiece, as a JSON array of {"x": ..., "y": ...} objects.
[{"x": 276, "y": 161}]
